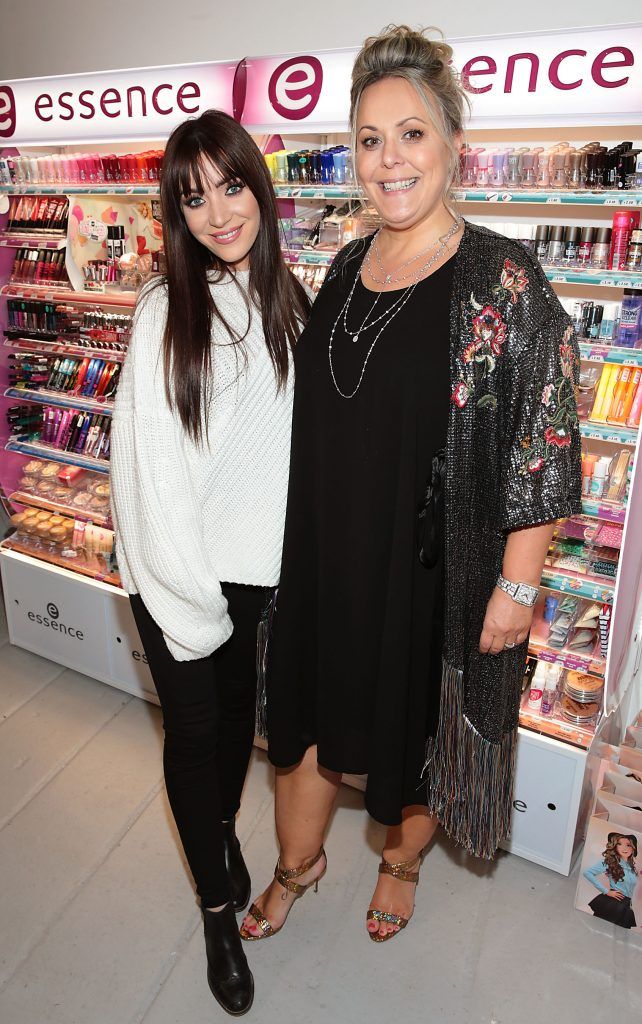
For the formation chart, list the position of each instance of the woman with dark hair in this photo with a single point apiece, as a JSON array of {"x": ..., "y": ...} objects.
[
  {"x": 617, "y": 869},
  {"x": 200, "y": 456}
]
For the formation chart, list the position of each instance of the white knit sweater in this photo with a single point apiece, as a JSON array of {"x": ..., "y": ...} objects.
[{"x": 187, "y": 516}]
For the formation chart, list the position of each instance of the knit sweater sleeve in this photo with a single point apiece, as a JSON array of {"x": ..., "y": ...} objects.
[{"x": 160, "y": 545}]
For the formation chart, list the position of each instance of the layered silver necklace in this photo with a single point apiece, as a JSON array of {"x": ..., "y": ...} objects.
[{"x": 391, "y": 312}]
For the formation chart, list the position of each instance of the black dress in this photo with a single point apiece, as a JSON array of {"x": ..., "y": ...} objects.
[{"x": 355, "y": 652}]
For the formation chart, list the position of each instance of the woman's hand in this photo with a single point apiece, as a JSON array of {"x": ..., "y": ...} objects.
[
  {"x": 615, "y": 894},
  {"x": 506, "y": 624}
]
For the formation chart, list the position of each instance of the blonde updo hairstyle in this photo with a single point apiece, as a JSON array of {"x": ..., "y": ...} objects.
[{"x": 401, "y": 52}]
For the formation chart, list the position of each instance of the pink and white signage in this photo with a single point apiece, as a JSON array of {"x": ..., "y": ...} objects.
[
  {"x": 140, "y": 104},
  {"x": 589, "y": 76}
]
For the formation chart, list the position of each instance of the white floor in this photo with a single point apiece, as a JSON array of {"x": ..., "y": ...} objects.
[{"x": 99, "y": 925}]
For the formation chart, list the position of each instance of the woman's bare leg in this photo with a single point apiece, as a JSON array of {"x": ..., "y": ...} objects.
[
  {"x": 403, "y": 842},
  {"x": 304, "y": 800}
]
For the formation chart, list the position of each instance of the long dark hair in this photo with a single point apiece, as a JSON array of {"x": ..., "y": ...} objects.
[
  {"x": 192, "y": 310},
  {"x": 612, "y": 859}
]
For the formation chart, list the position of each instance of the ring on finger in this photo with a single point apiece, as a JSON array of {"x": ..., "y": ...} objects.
[{"x": 509, "y": 647}]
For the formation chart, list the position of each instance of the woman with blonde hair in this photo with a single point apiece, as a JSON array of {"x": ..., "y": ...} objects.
[{"x": 435, "y": 441}]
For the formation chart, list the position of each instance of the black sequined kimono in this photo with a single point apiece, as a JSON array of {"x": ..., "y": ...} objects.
[{"x": 512, "y": 460}]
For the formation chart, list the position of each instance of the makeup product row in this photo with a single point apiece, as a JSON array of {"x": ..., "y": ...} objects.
[
  {"x": 331, "y": 166},
  {"x": 570, "y": 624},
  {"x": 618, "y": 247},
  {"x": 576, "y": 696},
  {"x": 607, "y": 478},
  {"x": 611, "y": 394},
  {"x": 47, "y": 531},
  {"x": 38, "y": 214},
  {"x": 584, "y": 558},
  {"x": 313, "y": 277},
  {"x": 561, "y": 166},
  {"x": 90, "y": 328},
  {"x": 78, "y": 489},
  {"x": 25, "y": 422},
  {"x": 73, "y": 431},
  {"x": 608, "y": 323},
  {"x": 91, "y": 378},
  {"x": 39, "y": 266},
  {"x": 82, "y": 168}
]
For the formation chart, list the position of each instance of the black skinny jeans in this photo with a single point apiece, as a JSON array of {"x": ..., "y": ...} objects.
[{"x": 208, "y": 710}]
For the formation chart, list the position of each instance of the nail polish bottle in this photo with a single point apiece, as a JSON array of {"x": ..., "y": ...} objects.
[
  {"x": 587, "y": 238},
  {"x": 483, "y": 159},
  {"x": 327, "y": 167},
  {"x": 529, "y": 170},
  {"x": 514, "y": 170},
  {"x": 555, "y": 249},
  {"x": 575, "y": 178},
  {"x": 601, "y": 249},
  {"x": 497, "y": 170},
  {"x": 571, "y": 245},
  {"x": 469, "y": 169},
  {"x": 623, "y": 225},
  {"x": 559, "y": 179},
  {"x": 541, "y": 242},
  {"x": 339, "y": 161}
]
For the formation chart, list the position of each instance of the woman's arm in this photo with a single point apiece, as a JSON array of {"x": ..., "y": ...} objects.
[
  {"x": 506, "y": 622},
  {"x": 594, "y": 873}
]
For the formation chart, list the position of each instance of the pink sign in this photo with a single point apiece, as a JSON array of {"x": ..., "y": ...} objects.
[{"x": 572, "y": 77}]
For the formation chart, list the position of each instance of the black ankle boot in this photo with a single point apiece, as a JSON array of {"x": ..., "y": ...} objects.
[
  {"x": 239, "y": 876},
  {"x": 228, "y": 975}
]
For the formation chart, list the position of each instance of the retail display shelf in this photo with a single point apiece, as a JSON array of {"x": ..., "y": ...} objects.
[
  {"x": 17, "y": 241},
  {"x": 38, "y": 450},
  {"x": 309, "y": 257},
  {"x": 609, "y": 432},
  {"x": 580, "y": 586},
  {"x": 610, "y": 513},
  {"x": 58, "y": 346},
  {"x": 318, "y": 192},
  {"x": 43, "y": 397},
  {"x": 548, "y": 197},
  {"x": 69, "y": 189},
  {"x": 593, "y": 278},
  {"x": 592, "y": 352},
  {"x": 596, "y": 666},
  {"x": 58, "y": 294},
  {"x": 556, "y": 727},
  {"x": 36, "y": 501},
  {"x": 74, "y": 565}
]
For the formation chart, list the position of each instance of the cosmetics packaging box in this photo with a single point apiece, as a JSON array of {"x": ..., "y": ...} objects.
[{"x": 602, "y": 864}]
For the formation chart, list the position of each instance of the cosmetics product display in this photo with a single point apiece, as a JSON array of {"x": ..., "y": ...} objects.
[
  {"x": 77, "y": 491},
  {"x": 38, "y": 320},
  {"x": 91, "y": 378},
  {"x": 332, "y": 166},
  {"x": 82, "y": 169},
  {"x": 618, "y": 395},
  {"x": 37, "y": 215},
  {"x": 562, "y": 166},
  {"x": 606, "y": 478},
  {"x": 71, "y": 430},
  {"x": 40, "y": 266}
]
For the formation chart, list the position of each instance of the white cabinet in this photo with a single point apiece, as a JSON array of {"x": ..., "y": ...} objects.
[{"x": 546, "y": 801}]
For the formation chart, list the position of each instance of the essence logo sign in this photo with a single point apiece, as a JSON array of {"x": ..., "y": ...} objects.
[
  {"x": 295, "y": 87},
  {"x": 51, "y": 621},
  {"x": 7, "y": 112}
]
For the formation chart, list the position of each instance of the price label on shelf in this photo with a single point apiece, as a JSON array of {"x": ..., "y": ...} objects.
[
  {"x": 553, "y": 199},
  {"x": 611, "y": 202},
  {"x": 559, "y": 279}
]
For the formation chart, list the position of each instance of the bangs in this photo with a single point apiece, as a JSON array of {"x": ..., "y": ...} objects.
[{"x": 192, "y": 170}]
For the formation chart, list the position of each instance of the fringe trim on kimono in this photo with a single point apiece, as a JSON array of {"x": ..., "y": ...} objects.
[{"x": 469, "y": 779}]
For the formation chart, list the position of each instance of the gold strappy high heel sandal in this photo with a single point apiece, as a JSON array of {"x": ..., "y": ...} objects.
[
  {"x": 402, "y": 872},
  {"x": 285, "y": 877}
]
